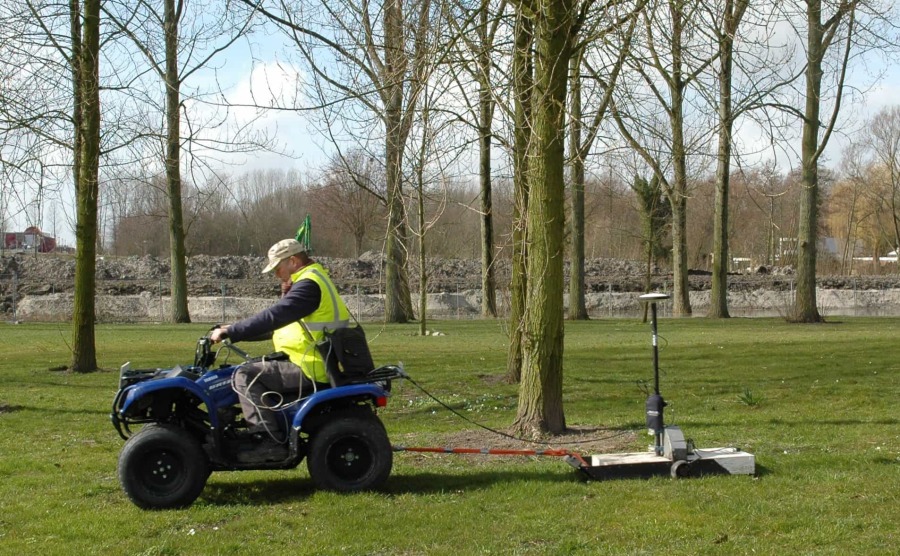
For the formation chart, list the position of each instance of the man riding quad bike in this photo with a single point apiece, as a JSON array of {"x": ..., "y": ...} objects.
[
  {"x": 313, "y": 398},
  {"x": 193, "y": 425}
]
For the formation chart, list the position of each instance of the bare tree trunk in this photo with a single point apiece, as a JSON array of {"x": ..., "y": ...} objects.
[
  {"x": 770, "y": 247},
  {"x": 420, "y": 194},
  {"x": 540, "y": 406},
  {"x": 84, "y": 357},
  {"x": 522, "y": 86},
  {"x": 423, "y": 271},
  {"x": 846, "y": 254},
  {"x": 718, "y": 302},
  {"x": 77, "y": 93},
  {"x": 173, "y": 165},
  {"x": 805, "y": 301},
  {"x": 578, "y": 150},
  {"x": 486, "y": 116},
  {"x": 681, "y": 301},
  {"x": 397, "y": 301},
  {"x": 577, "y": 308}
]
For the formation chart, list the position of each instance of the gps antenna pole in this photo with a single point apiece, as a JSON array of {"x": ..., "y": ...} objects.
[
  {"x": 655, "y": 341},
  {"x": 655, "y": 403}
]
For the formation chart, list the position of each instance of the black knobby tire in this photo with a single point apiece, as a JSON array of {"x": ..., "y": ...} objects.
[
  {"x": 350, "y": 452},
  {"x": 163, "y": 467}
]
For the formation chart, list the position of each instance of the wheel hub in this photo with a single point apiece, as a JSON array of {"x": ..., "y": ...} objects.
[
  {"x": 350, "y": 458},
  {"x": 162, "y": 469}
]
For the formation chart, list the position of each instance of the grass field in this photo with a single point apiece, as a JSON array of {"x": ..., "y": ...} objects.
[{"x": 816, "y": 404}]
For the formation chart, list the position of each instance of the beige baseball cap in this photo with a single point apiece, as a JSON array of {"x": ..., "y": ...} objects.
[{"x": 282, "y": 250}]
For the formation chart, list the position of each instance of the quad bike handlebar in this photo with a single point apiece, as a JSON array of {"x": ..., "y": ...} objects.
[{"x": 205, "y": 355}]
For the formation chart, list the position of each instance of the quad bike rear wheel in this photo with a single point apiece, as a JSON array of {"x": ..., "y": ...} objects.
[
  {"x": 350, "y": 452},
  {"x": 162, "y": 467}
]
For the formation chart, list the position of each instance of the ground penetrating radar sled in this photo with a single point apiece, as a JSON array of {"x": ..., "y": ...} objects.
[
  {"x": 191, "y": 424},
  {"x": 671, "y": 453}
]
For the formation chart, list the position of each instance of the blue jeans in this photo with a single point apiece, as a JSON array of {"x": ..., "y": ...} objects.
[{"x": 263, "y": 387}]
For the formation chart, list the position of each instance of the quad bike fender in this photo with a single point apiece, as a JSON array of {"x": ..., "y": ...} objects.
[
  {"x": 369, "y": 392},
  {"x": 138, "y": 396}
]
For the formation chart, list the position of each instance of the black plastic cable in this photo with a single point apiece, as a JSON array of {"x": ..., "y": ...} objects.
[{"x": 503, "y": 434}]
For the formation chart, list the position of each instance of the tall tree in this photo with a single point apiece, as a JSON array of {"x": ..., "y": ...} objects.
[
  {"x": 86, "y": 74},
  {"x": 50, "y": 127},
  {"x": 726, "y": 31},
  {"x": 398, "y": 305},
  {"x": 747, "y": 80},
  {"x": 477, "y": 61},
  {"x": 430, "y": 162},
  {"x": 668, "y": 65},
  {"x": 580, "y": 144},
  {"x": 182, "y": 55},
  {"x": 485, "y": 120},
  {"x": 577, "y": 306},
  {"x": 540, "y": 406},
  {"x": 172, "y": 79},
  {"x": 820, "y": 37}
]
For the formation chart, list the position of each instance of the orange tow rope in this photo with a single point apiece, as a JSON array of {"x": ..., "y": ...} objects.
[{"x": 493, "y": 452}]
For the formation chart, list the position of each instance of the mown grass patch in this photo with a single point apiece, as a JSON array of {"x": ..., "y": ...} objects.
[{"x": 824, "y": 431}]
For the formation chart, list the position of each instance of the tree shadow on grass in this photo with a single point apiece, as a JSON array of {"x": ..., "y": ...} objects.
[
  {"x": 6, "y": 408},
  {"x": 437, "y": 483},
  {"x": 835, "y": 422},
  {"x": 732, "y": 422},
  {"x": 281, "y": 490},
  {"x": 51, "y": 408},
  {"x": 277, "y": 491}
]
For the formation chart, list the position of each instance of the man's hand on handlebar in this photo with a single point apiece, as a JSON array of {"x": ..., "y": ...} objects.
[{"x": 219, "y": 334}]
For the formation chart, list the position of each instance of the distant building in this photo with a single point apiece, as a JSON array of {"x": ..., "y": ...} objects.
[{"x": 29, "y": 240}]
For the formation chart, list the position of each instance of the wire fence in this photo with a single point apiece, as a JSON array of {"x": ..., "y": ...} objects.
[{"x": 149, "y": 301}]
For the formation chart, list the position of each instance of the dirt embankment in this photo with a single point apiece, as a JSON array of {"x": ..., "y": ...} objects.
[
  {"x": 36, "y": 275},
  {"x": 41, "y": 275}
]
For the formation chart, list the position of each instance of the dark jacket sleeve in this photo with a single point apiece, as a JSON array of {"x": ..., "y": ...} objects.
[{"x": 302, "y": 299}]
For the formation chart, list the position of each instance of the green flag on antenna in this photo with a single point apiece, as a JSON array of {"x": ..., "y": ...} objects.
[{"x": 304, "y": 234}]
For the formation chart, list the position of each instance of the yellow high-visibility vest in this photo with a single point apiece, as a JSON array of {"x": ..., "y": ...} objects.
[{"x": 298, "y": 340}]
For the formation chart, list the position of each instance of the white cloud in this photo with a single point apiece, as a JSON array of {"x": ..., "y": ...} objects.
[
  {"x": 266, "y": 97},
  {"x": 269, "y": 85}
]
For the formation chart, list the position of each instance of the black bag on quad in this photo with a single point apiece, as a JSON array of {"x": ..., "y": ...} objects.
[{"x": 346, "y": 354}]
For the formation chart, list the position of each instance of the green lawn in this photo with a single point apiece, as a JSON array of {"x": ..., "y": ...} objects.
[{"x": 816, "y": 404}]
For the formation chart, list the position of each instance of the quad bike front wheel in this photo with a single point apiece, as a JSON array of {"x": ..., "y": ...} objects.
[
  {"x": 163, "y": 467},
  {"x": 350, "y": 453}
]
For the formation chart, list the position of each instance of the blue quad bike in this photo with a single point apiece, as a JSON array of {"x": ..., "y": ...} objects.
[{"x": 192, "y": 425}]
